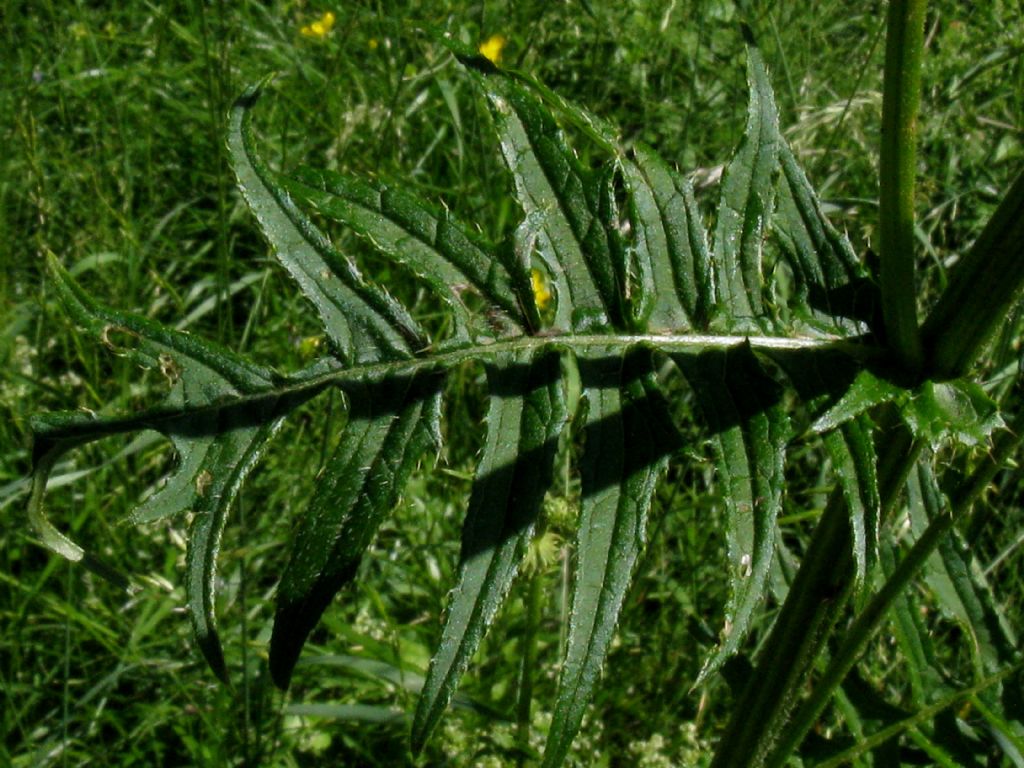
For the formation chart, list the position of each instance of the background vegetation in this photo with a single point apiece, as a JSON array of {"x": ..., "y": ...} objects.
[{"x": 113, "y": 132}]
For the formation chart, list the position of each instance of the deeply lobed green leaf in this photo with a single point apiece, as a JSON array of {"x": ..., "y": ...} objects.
[
  {"x": 629, "y": 280},
  {"x": 436, "y": 248}
]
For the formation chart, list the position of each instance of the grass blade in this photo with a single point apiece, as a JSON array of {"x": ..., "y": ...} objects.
[{"x": 920, "y": 717}]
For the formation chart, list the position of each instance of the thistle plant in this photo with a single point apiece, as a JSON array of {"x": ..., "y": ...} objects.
[{"x": 610, "y": 287}]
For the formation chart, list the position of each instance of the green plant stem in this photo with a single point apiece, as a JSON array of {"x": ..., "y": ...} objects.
[
  {"x": 870, "y": 619},
  {"x": 524, "y": 698},
  {"x": 217, "y": 86},
  {"x": 815, "y": 602},
  {"x": 897, "y": 168}
]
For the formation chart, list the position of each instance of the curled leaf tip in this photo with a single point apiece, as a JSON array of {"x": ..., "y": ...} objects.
[{"x": 50, "y": 537}]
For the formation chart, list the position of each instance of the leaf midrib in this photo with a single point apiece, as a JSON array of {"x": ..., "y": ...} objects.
[{"x": 303, "y": 387}]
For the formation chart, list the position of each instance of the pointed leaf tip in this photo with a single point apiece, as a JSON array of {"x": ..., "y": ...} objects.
[
  {"x": 741, "y": 405},
  {"x": 252, "y": 94},
  {"x": 746, "y": 204},
  {"x": 628, "y": 437},
  {"x": 362, "y": 321},
  {"x": 361, "y": 483},
  {"x": 511, "y": 478}
]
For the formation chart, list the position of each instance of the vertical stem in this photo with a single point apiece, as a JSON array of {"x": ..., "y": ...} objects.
[
  {"x": 217, "y": 87},
  {"x": 897, "y": 167},
  {"x": 243, "y": 600},
  {"x": 534, "y": 598},
  {"x": 65, "y": 699}
]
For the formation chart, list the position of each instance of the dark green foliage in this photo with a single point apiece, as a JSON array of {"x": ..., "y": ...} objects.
[
  {"x": 386, "y": 366},
  {"x": 775, "y": 309}
]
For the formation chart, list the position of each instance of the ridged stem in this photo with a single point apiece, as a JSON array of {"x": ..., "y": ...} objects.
[
  {"x": 897, "y": 169},
  {"x": 524, "y": 698}
]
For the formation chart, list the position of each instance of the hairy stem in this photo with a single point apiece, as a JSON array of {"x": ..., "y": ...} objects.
[{"x": 897, "y": 168}]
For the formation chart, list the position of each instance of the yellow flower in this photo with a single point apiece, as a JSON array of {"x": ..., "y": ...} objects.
[
  {"x": 308, "y": 346},
  {"x": 492, "y": 47},
  {"x": 541, "y": 292},
  {"x": 320, "y": 28}
]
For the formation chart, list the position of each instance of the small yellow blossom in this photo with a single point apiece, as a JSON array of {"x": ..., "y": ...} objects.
[
  {"x": 541, "y": 292},
  {"x": 492, "y": 47},
  {"x": 320, "y": 28},
  {"x": 78, "y": 30},
  {"x": 372, "y": 43},
  {"x": 309, "y": 346}
]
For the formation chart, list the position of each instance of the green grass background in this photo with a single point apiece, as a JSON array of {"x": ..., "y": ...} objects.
[{"x": 113, "y": 158}]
